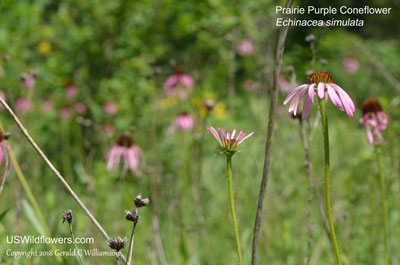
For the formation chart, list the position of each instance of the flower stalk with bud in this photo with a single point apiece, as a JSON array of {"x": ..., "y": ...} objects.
[
  {"x": 117, "y": 244},
  {"x": 229, "y": 146},
  {"x": 68, "y": 216},
  {"x": 133, "y": 216}
]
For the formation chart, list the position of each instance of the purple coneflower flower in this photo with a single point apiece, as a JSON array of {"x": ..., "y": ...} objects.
[
  {"x": 4, "y": 152},
  {"x": 110, "y": 108},
  {"x": 374, "y": 121},
  {"x": 178, "y": 84},
  {"x": 80, "y": 108},
  {"x": 71, "y": 91},
  {"x": 47, "y": 106},
  {"x": 65, "y": 112},
  {"x": 23, "y": 105},
  {"x": 28, "y": 80},
  {"x": 321, "y": 84},
  {"x": 128, "y": 151},
  {"x": 184, "y": 122},
  {"x": 351, "y": 65},
  {"x": 227, "y": 140},
  {"x": 244, "y": 47}
]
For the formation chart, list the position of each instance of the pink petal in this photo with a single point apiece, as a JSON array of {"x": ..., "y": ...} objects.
[
  {"x": 294, "y": 92},
  {"x": 346, "y": 100},
  {"x": 369, "y": 134},
  {"x": 171, "y": 81},
  {"x": 321, "y": 90},
  {"x": 306, "y": 108},
  {"x": 334, "y": 97},
  {"x": 186, "y": 80},
  {"x": 311, "y": 93},
  {"x": 383, "y": 120},
  {"x": 293, "y": 106},
  {"x": 240, "y": 135},
  {"x": 215, "y": 134},
  {"x": 1, "y": 155},
  {"x": 223, "y": 135},
  {"x": 247, "y": 136}
]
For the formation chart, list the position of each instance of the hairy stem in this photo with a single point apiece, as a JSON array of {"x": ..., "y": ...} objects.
[
  {"x": 324, "y": 118},
  {"x": 55, "y": 171},
  {"x": 383, "y": 202},
  {"x": 232, "y": 203},
  {"x": 271, "y": 122},
  {"x": 75, "y": 245}
]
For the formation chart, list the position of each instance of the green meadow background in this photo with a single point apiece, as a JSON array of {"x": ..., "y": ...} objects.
[{"x": 122, "y": 52}]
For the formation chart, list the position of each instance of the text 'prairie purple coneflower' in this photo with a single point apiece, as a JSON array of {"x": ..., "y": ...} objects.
[
  {"x": 321, "y": 84},
  {"x": 374, "y": 121},
  {"x": 128, "y": 152}
]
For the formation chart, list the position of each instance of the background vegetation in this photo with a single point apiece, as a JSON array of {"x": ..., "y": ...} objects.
[{"x": 121, "y": 52}]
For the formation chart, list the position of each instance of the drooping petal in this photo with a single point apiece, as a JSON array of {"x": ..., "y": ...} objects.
[
  {"x": 321, "y": 90},
  {"x": 244, "y": 138},
  {"x": 382, "y": 120},
  {"x": 293, "y": 106},
  {"x": 186, "y": 80},
  {"x": 171, "y": 81},
  {"x": 311, "y": 93},
  {"x": 346, "y": 100},
  {"x": 294, "y": 92},
  {"x": 334, "y": 97},
  {"x": 369, "y": 134},
  {"x": 306, "y": 108},
  {"x": 215, "y": 134},
  {"x": 379, "y": 136}
]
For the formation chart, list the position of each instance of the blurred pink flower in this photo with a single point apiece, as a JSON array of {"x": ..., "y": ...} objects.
[
  {"x": 110, "y": 108},
  {"x": 227, "y": 140},
  {"x": 244, "y": 47},
  {"x": 351, "y": 65},
  {"x": 71, "y": 91},
  {"x": 126, "y": 150},
  {"x": 28, "y": 80},
  {"x": 183, "y": 122},
  {"x": 178, "y": 84},
  {"x": 3, "y": 96},
  {"x": 252, "y": 86},
  {"x": 23, "y": 105},
  {"x": 47, "y": 106},
  {"x": 374, "y": 119},
  {"x": 80, "y": 108},
  {"x": 65, "y": 112},
  {"x": 107, "y": 129},
  {"x": 322, "y": 82},
  {"x": 285, "y": 85},
  {"x": 4, "y": 152}
]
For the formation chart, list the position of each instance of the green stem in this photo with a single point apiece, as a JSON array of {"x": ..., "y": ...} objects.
[
  {"x": 324, "y": 118},
  {"x": 383, "y": 201},
  {"x": 232, "y": 202}
]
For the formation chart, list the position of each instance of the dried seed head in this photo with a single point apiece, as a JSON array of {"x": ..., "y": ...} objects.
[
  {"x": 67, "y": 216},
  {"x": 117, "y": 243},
  {"x": 131, "y": 216},
  {"x": 140, "y": 202},
  {"x": 179, "y": 70},
  {"x": 310, "y": 37},
  {"x": 209, "y": 104},
  {"x": 371, "y": 105}
]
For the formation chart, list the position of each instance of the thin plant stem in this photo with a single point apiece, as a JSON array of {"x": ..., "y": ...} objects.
[
  {"x": 268, "y": 147},
  {"x": 383, "y": 202},
  {"x": 310, "y": 172},
  {"x": 55, "y": 171},
  {"x": 32, "y": 199},
  {"x": 232, "y": 203},
  {"x": 130, "y": 249},
  {"x": 75, "y": 245},
  {"x": 324, "y": 119}
]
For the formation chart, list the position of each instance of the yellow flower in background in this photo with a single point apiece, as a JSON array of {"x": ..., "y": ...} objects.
[
  {"x": 220, "y": 110},
  {"x": 169, "y": 102},
  {"x": 44, "y": 47}
]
